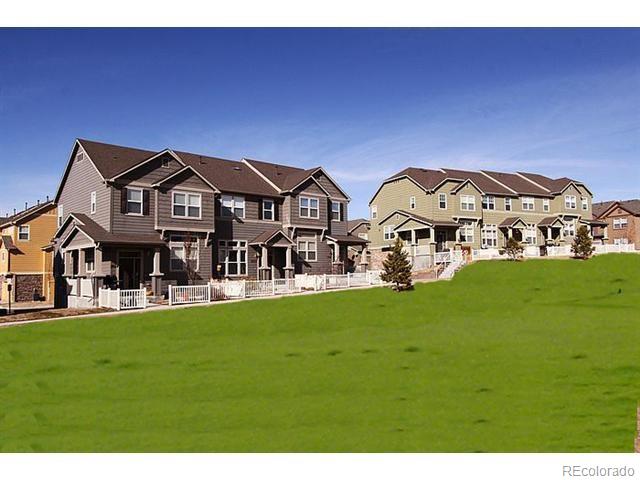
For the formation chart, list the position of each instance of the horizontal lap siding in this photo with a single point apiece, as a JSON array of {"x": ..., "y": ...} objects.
[
  {"x": 329, "y": 186},
  {"x": 324, "y": 258},
  {"x": 75, "y": 197},
  {"x": 313, "y": 191},
  {"x": 132, "y": 224}
]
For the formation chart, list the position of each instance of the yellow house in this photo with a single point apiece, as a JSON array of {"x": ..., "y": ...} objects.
[{"x": 26, "y": 254}]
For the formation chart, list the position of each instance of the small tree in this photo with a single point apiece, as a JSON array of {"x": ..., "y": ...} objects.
[
  {"x": 513, "y": 249},
  {"x": 397, "y": 269},
  {"x": 582, "y": 245}
]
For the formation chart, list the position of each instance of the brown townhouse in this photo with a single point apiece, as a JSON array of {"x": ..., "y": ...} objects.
[
  {"x": 129, "y": 217},
  {"x": 620, "y": 222}
]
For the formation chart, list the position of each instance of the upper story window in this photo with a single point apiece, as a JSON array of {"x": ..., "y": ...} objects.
[
  {"x": 507, "y": 204},
  {"x": 619, "y": 223},
  {"x": 134, "y": 201},
  {"x": 388, "y": 232},
  {"x": 232, "y": 205},
  {"x": 468, "y": 203},
  {"x": 93, "y": 202},
  {"x": 24, "y": 233},
  {"x": 336, "y": 211},
  {"x": 528, "y": 203},
  {"x": 374, "y": 212},
  {"x": 546, "y": 205},
  {"x": 60, "y": 215},
  {"x": 442, "y": 201},
  {"x": 570, "y": 201},
  {"x": 412, "y": 203},
  {"x": 585, "y": 203},
  {"x": 268, "y": 209},
  {"x": 187, "y": 205},
  {"x": 309, "y": 207},
  {"x": 488, "y": 202}
]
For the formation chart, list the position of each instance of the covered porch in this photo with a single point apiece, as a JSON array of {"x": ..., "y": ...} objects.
[
  {"x": 341, "y": 261},
  {"x": 552, "y": 229},
  {"x": 513, "y": 227},
  {"x": 274, "y": 255}
]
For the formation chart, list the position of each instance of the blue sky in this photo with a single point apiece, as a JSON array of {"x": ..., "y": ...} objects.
[{"x": 364, "y": 103}]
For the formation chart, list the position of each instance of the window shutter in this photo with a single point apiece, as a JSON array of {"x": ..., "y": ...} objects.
[
  {"x": 342, "y": 212},
  {"x": 276, "y": 211},
  {"x": 260, "y": 209},
  {"x": 123, "y": 200},
  {"x": 145, "y": 202}
]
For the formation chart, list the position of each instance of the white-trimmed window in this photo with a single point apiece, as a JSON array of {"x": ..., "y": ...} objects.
[
  {"x": 232, "y": 205},
  {"x": 570, "y": 202},
  {"x": 268, "y": 209},
  {"x": 619, "y": 223},
  {"x": 412, "y": 203},
  {"x": 94, "y": 203},
  {"x": 374, "y": 212},
  {"x": 620, "y": 241},
  {"x": 309, "y": 207},
  {"x": 186, "y": 205},
  {"x": 232, "y": 256},
  {"x": 90, "y": 260},
  {"x": 466, "y": 231},
  {"x": 489, "y": 236},
  {"x": 60, "y": 215},
  {"x": 570, "y": 228},
  {"x": 308, "y": 249},
  {"x": 546, "y": 205},
  {"x": 24, "y": 233},
  {"x": 528, "y": 203},
  {"x": 388, "y": 232},
  {"x": 507, "y": 204},
  {"x": 442, "y": 201},
  {"x": 178, "y": 253},
  {"x": 488, "y": 202},
  {"x": 468, "y": 203},
  {"x": 336, "y": 211},
  {"x": 134, "y": 201},
  {"x": 584, "y": 201},
  {"x": 530, "y": 234}
]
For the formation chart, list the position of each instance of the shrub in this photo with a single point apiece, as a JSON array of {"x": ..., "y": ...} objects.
[
  {"x": 582, "y": 245},
  {"x": 513, "y": 249}
]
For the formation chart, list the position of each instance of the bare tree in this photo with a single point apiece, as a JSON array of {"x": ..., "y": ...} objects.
[{"x": 191, "y": 252}]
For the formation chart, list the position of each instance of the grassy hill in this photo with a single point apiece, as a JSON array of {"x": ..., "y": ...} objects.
[{"x": 536, "y": 356}]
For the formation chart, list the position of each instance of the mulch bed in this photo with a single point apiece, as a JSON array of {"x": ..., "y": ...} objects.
[{"x": 53, "y": 313}]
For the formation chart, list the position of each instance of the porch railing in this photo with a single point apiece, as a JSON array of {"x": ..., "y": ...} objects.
[
  {"x": 559, "y": 251},
  {"x": 613, "y": 248},
  {"x": 122, "y": 299}
]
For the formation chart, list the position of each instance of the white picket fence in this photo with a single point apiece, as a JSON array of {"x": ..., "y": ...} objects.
[
  {"x": 620, "y": 248},
  {"x": 559, "y": 251},
  {"x": 122, "y": 299},
  {"x": 179, "y": 295}
]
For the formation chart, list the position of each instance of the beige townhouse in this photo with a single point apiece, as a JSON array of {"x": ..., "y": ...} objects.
[{"x": 438, "y": 210}]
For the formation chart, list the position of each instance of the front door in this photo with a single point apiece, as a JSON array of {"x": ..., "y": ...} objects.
[
  {"x": 441, "y": 241},
  {"x": 130, "y": 267},
  {"x": 278, "y": 260}
]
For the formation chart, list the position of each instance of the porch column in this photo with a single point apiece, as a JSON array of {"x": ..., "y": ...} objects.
[
  {"x": 562, "y": 234},
  {"x": 509, "y": 232},
  {"x": 413, "y": 243},
  {"x": 156, "y": 275},
  {"x": 264, "y": 262},
  {"x": 336, "y": 253},
  {"x": 605, "y": 232},
  {"x": 288, "y": 269},
  {"x": 81, "y": 263},
  {"x": 549, "y": 233}
]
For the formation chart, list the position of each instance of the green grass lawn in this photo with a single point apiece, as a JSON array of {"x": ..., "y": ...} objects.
[{"x": 537, "y": 356}]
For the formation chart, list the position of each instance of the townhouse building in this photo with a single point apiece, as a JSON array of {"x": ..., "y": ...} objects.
[
  {"x": 437, "y": 210},
  {"x": 620, "y": 222},
  {"x": 358, "y": 257},
  {"x": 129, "y": 217},
  {"x": 26, "y": 254}
]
